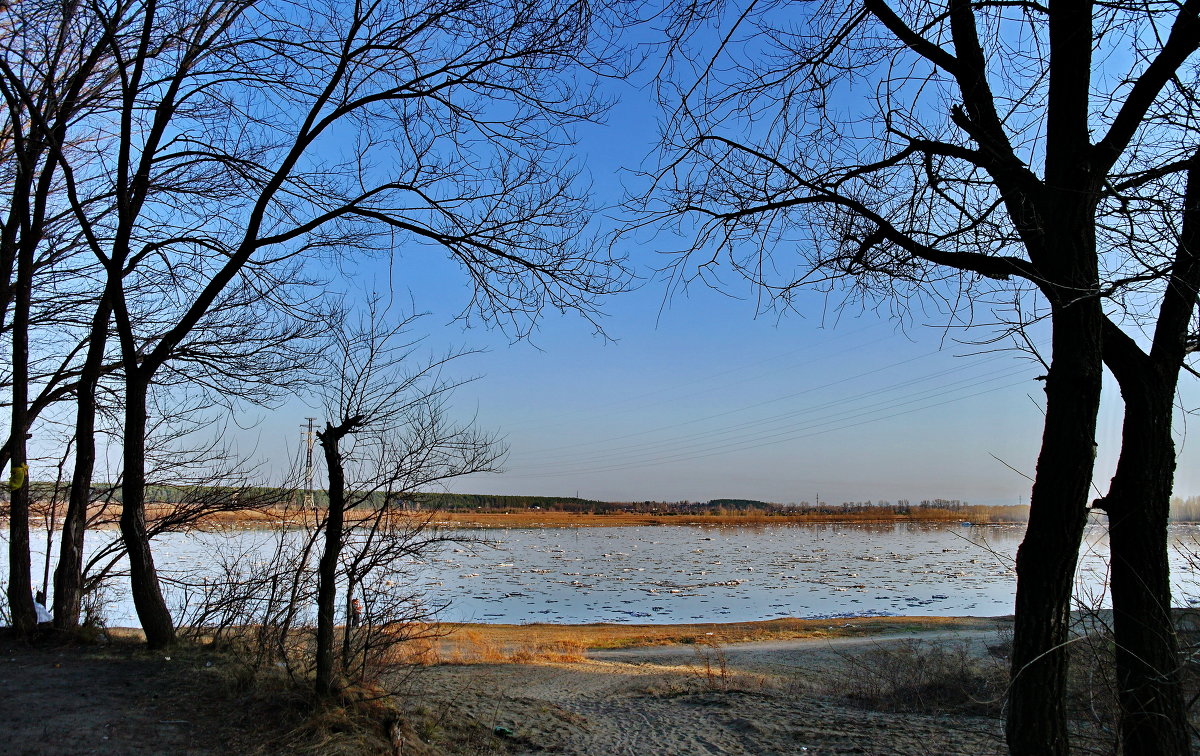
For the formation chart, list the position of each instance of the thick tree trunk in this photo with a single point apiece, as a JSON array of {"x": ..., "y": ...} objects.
[
  {"x": 1047, "y": 557},
  {"x": 68, "y": 576},
  {"x": 1153, "y": 720},
  {"x": 352, "y": 620},
  {"x": 327, "y": 567},
  {"x": 147, "y": 595}
]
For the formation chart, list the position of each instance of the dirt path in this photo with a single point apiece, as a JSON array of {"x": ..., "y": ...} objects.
[{"x": 117, "y": 700}]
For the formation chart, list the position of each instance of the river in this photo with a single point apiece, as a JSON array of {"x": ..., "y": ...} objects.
[{"x": 674, "y": 574}]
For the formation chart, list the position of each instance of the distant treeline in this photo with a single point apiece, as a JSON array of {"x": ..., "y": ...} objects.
[
  {"x": 45, "y": 492},
  {"x": 932, "y": 509},
  {"x": 1182, "y": 509},
  {"x": 1185, "y": 510}
]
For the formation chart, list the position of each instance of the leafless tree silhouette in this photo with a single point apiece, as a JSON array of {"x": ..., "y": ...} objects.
[
  {"x": 386, "y": 439},
  {"x": 244, "y": 138},
  {"x": 955, "y": 148}
]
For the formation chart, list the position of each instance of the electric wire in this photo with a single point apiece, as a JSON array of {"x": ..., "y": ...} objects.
[
  {"x": 839, "y": 419},
  {"x": 634, "y": 403},
  {"x": 759, "y": 424},
  {"x": 756, "y": 445}
]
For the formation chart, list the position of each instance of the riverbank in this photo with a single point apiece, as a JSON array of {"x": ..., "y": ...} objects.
[
  {"x": 907, "y": 686},
  {"x": 469, "y": 642},
  {"x": 683, "y": 689},
  {"x": 552, "y": 519}
]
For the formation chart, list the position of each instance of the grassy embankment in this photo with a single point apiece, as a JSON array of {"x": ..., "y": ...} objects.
[
  {"x": 257, "y": 506},
  {"x": 470, "y": 643},
  {"x": 481, "y": 643},
  {"x": 283, "y": 517},
  {"x": 553, "y": 519}
]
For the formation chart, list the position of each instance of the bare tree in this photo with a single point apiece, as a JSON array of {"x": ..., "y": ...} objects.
[
  {"x": 944, "y": 148},
  {"x": 386, "y": 435},
  {"x": 1138, "y": 502},
  {"x": 225, "y": 157},
  {"x": 52, "y": 77},
  {"x": 194, "y": 479}
]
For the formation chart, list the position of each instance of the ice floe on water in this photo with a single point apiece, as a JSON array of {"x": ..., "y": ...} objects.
[
  {"x": 692, "y": 574},
  {"x": 688, "y": 574}
]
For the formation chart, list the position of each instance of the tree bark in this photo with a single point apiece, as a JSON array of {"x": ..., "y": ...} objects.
[
  {"x": 1046, "y": 559},
  {"x": 1153, "y": 721},
  {"x": 20, "y": 579},
  {"x": 68, "y": 576},
  {"x": 143, "y": 578},
  {"x": 327, "y": 567},
  {"x": 1153, "y": 718}
]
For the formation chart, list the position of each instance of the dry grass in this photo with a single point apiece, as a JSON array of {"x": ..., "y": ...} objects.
[
  {"x": 476, "y": 647},
  {"x": 443, "y": 728},
  {"x": 564, "y": 644},
  {"x": 361, "y": 720},
  {"x": 280, "y": 517},
  {"x": 608, "y": 636},
  {"x": 364, "y": 721},
  {"x": 478, "y": 643},
  {"x": 915, "y": 676}
]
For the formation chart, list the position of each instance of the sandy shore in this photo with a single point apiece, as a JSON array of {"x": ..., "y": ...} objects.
[
  {"x": 789, "y": 692},
  {"x": 782, "y": 696}
]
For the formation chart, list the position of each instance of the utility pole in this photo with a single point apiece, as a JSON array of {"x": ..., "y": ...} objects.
[{"x": 308, "y": 502}]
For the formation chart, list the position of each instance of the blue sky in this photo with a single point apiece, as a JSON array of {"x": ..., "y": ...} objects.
[
  {"x": 700, "y": 396},
  {"x": 699, "y": 399}
]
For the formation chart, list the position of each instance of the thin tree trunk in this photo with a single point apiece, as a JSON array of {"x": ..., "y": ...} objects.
[
  {"x": 147, "y": 594},
  {"x": 20, "y": 579},
  {"x": 68, "y": 576},
  {"x": 327, "y": 567},
  {"x": 1046, "y": 560},
  {"x": 51, "y": 524},
  {"x": 352, "y": 620}
]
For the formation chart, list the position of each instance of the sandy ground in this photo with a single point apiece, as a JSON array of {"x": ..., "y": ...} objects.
[{"x": 760, "y": 698}]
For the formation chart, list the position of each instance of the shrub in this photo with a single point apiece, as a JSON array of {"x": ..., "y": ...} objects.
[{"x": 918, "y": 676}]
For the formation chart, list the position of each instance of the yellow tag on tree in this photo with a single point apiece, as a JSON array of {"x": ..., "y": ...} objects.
[{"x": 18, "y": 477}]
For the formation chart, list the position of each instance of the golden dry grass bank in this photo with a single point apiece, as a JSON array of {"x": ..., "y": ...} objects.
[
  {"x": 289, "y": 517},
  {"x": 472, "y": 643}
]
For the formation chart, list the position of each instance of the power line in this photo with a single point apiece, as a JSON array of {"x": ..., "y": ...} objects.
[
  {"x": 627, "y": 404},
  {"x": 762, "y": 429},
  {"x": 758, "y": 423},
  {"x": 757, "y": 445}
]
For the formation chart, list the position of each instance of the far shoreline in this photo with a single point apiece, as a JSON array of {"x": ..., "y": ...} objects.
[{"x": 556, "y": 519}]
